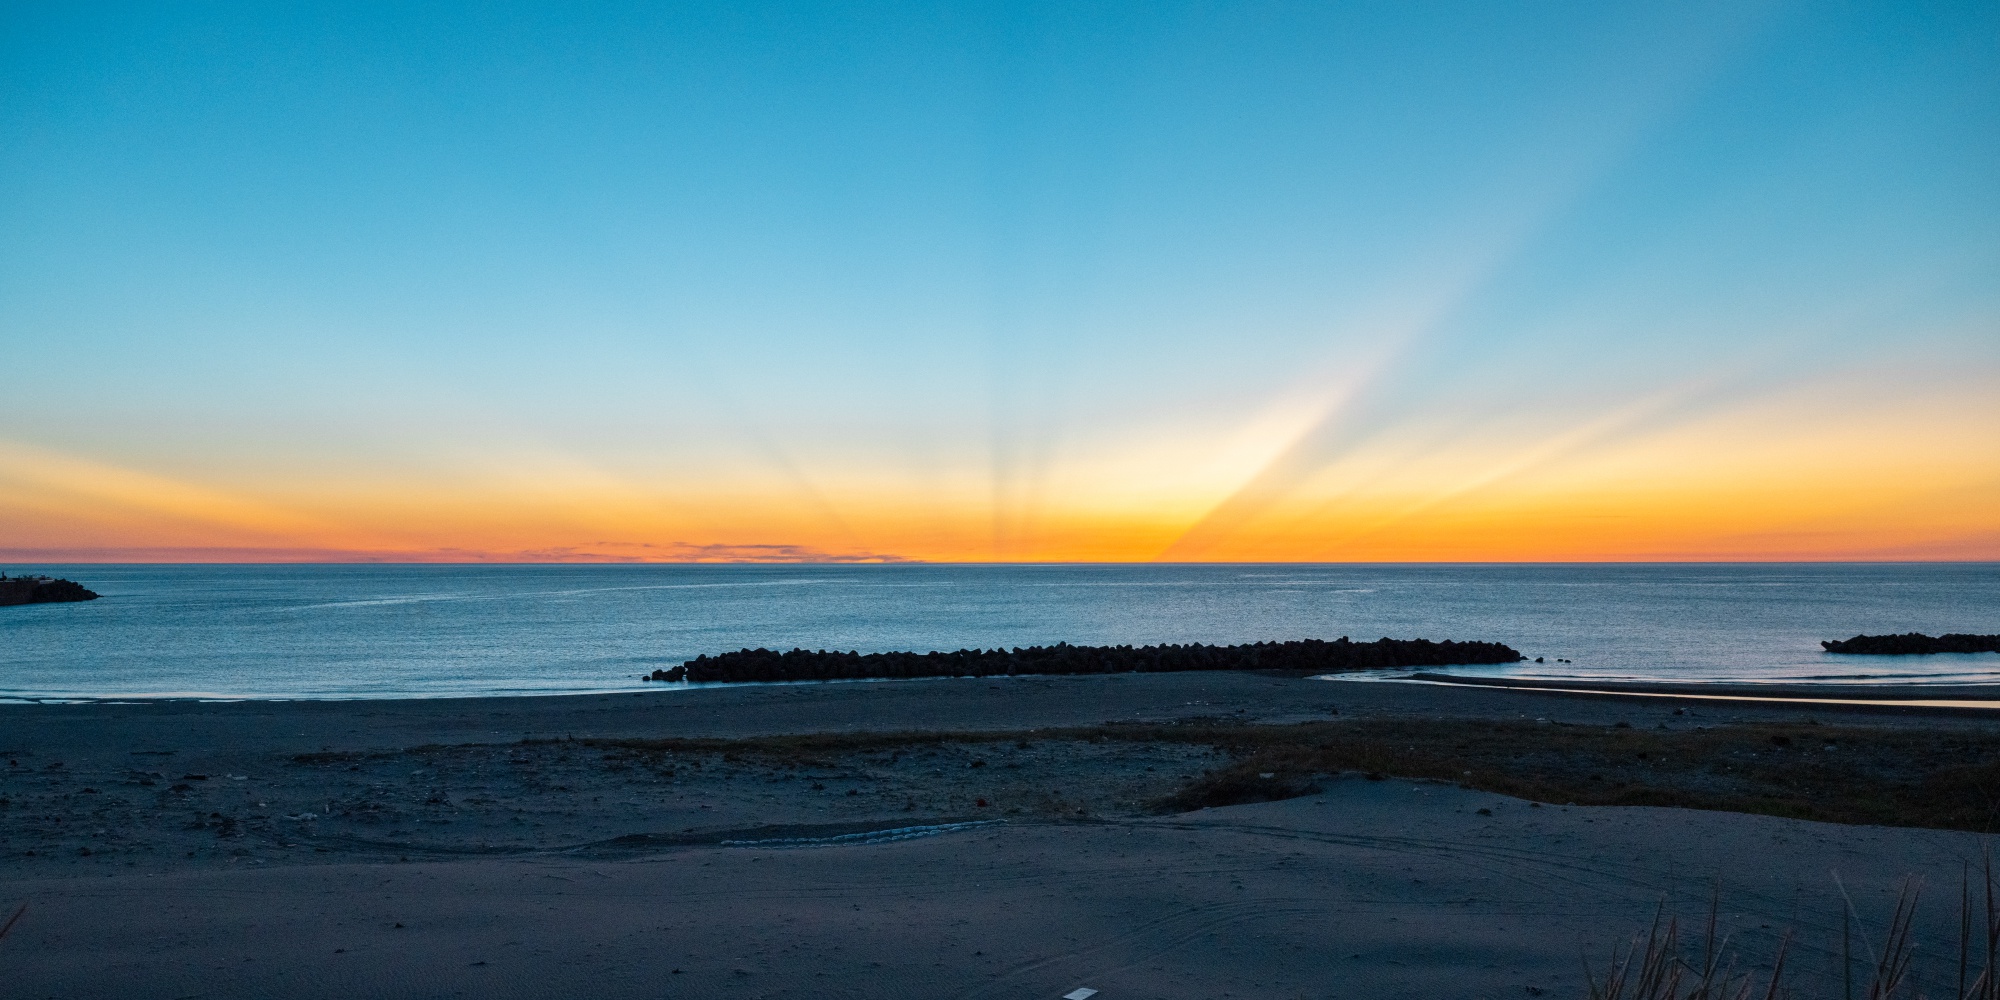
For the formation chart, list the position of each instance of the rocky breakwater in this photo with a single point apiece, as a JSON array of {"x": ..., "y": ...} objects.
[
  {"x": 1914, "y": 644},
  {"x": 41, "y": 590},
  {"x": 1303, "y": 656}
]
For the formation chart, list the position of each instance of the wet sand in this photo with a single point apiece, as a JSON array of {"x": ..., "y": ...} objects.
[{"x": 561, "y": 867}]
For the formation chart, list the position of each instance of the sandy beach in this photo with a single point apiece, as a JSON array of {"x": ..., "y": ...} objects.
[{"x": 929, "y": 838}]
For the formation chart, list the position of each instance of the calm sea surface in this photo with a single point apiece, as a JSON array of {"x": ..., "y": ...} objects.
[{"x": 432, "y": 631}]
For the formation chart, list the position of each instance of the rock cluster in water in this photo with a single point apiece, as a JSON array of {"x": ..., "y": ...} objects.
[
  {"x": 1914, "y": 644},
  {"x": 1312, "y": 655},
  {"x": 41, "y": 590}
]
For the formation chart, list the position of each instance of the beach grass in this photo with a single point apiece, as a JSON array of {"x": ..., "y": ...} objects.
[
  {"x": 1842, "y": 774},
  {"x": 1660, "y": 965},
  {"x": 1892, "y": 776}
]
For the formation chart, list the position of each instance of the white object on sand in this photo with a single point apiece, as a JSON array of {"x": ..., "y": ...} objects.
[{"x": 1080, "y": 993}]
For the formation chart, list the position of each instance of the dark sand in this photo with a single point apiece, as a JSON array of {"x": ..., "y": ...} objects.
[{"x": 566, "y": 868}]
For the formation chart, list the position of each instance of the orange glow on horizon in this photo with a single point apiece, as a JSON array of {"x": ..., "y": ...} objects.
[{"x": 1812, "y": 475}]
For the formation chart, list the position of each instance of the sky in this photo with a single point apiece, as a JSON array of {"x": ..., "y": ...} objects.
[{"x": 1373, "y": 281}]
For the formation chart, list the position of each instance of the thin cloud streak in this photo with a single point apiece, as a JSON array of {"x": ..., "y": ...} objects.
[{"x": 611, "y": 552}]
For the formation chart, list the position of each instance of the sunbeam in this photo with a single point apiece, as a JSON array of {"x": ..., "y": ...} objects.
[{"x": 1037, "y": 284}]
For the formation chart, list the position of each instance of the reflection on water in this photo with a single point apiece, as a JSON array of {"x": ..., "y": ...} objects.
[{"x": 432, "y": 631}]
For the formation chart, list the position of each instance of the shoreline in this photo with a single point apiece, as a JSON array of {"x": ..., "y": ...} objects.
[
  {"x": 1882, "y": 693},
  {"x": 1849, "y": 696}
]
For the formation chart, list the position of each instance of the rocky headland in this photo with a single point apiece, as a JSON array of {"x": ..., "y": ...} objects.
[
  {"x": 1306, "y": 655},
  {"x": 41, "y": 590}
]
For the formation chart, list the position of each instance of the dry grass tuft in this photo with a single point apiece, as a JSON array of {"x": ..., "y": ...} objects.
[{"x": 1655, "y": 967}]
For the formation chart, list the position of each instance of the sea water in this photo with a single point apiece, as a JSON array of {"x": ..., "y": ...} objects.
[{"x": 376, "y": 631}]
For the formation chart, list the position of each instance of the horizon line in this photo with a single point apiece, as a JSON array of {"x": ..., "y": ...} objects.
[{"x": 1846, "y": 561}]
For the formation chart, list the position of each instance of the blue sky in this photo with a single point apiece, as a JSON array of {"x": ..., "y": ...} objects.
[{"x": 1023, "y": 275}]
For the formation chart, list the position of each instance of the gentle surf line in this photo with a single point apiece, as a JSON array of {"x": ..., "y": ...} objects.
[{"x": 1627, "y": 693}]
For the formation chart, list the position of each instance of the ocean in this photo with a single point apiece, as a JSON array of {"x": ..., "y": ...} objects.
[{"x": 426, "y": 631}]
